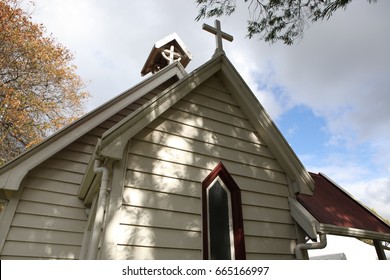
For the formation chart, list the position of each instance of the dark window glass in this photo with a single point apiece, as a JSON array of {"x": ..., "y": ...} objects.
[
  {"x": 219, "y": 223},
  {"x": 223, "y": 228}
]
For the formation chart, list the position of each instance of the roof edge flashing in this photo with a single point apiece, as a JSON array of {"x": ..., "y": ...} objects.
[
  {"x": 352, "y": 232},
  {"x": 303, "y": 217}
]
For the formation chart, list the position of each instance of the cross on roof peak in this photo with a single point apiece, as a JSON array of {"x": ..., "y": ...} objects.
[{"x": 219, "y": 35}]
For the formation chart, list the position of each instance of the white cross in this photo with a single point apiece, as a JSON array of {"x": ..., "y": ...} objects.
[
  {"x": 219, "y": 35},
  {"x": 173, "y": 56}
]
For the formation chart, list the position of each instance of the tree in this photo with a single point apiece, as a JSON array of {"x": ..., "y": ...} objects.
[
  {"x": 39, "y": 89},
  {"x": 275, "y": 20}
]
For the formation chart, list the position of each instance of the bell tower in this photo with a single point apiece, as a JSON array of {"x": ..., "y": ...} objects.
[{"x": 165, "y": 52}]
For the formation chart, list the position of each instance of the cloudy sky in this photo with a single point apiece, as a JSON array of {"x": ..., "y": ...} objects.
[{"x": 329, "y": 94}]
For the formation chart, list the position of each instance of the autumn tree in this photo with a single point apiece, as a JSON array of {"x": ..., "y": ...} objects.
[
  {"x": 39, "y": 89},
  {"x": 275, "y": 20}
]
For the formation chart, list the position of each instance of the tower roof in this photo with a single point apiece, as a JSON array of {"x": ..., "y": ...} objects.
[{"x": 166, "y": 51}]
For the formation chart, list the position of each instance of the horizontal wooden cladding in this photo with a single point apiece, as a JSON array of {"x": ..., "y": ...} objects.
[
  {"x": 52, "y": 186},
  {"x": 44, "y": 209},
  {"x": 51, "y": 198},
  {"x": 187, "y": 205},
  {"x": 44, "y": 236},
  {"x": 172, "y": 148},
  {"x": 162, "y": 201},
  {"x": 206, "y": 111},
  {"x": 162, "y": 183},
  {"x": 265, "y": 214},
  {"x": 269, "y": 229},
  {"x": 266, "y": 187},
  {"x": 27, "y": 250},
  {"x": 166, "y": 132},
  {"x": 197, "y": 171},
  {"x": 57, "y": 175},
  {"x": 258, "y": 256},
  {"x": 269, "y": 245},
  {"x": 74, "y": 156},
  {"x": 165, "y": 168},
  {"x": 195, "y": 121},
  {"x": 222, "y": 103},
  {"x": 81, "y": 147},
  {"x": 192, "y": 205},
  {"x": 149, "y": 217},
  {"x": 158, "y": 237},
  {"x": 264, "y": 200},
  {"x": 48, "y": 223},
  {"x": 215, "y": 88},
  {"x": 65, "y": 165},
  {"x": 125, "y": 252}
]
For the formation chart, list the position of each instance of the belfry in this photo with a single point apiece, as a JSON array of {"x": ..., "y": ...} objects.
[{"x": 165, "y": 52}]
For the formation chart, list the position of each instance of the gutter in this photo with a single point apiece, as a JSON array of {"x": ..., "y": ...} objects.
[
  {"x": 352, "y": 232},
  {"x": 310, "y": 246},
  {"x": 310, "y": 225},
  {"x": 100, "y": 209}
]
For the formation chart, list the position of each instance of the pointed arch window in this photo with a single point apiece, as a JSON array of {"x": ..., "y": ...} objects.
[{"x": 223, "y": 230}]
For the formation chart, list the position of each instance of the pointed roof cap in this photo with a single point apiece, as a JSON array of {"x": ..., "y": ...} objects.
[{"x": 166, "y": 51}]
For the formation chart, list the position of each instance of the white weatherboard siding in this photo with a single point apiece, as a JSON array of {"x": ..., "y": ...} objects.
[
  {"x": 49, "y": 219},
  {"x": 167, "y": 161}
]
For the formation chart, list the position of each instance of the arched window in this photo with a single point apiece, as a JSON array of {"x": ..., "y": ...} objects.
[{"x": 223, "y": 230}]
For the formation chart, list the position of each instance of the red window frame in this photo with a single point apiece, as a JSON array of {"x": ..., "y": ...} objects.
[{"x": 238, "y": 225}]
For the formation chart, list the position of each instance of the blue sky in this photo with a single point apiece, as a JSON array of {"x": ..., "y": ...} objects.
[{"x": 328, "y": 94}]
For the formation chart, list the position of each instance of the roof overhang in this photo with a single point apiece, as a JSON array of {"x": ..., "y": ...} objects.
[
  {"x": 267, "y": 129},
  {"x": 313, "y": 227},
  {"x": 352, "y": 232},
  {"x": 12, "y": 174},
  {"x": 115, "y": 139}
]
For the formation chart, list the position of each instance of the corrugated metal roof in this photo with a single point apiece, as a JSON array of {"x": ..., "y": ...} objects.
[{"x": 329, "y": 204}]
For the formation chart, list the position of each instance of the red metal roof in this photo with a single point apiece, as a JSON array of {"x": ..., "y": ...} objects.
[{"x": 331, "y": 205}]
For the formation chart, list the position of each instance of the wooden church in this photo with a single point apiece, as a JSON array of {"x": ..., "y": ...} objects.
[{"x": 180, "y": 166}]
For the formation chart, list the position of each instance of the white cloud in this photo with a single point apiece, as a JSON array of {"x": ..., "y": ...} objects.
[
  {"x": 341, "y": 71},
  {"x": 263, "y": 87},
  {"x": 358, "y": 180}
]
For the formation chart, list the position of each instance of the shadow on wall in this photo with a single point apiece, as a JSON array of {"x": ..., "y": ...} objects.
[{"x": 168, "y": 160}]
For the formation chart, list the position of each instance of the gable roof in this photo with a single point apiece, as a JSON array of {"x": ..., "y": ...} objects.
[
  {"x": 14, "y": 171},
  {"x": 114, "y": 140},
  {"x": 335, "y": 210}
]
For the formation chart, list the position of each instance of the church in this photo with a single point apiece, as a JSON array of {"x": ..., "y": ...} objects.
[{"x": 182, "y": 166}]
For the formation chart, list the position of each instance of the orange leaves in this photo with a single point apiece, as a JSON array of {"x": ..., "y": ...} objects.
[{"x": 39, "y": 89}]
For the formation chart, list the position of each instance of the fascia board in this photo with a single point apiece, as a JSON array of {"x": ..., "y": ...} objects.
[
  {"x": 13, "y": 173},
  {"x": 352, "y": 232},
  {"x": 267, "y": 129},
  {"x": 115, "y": 139},
  {"x": 89, "y": 174},
  {"x": 303, "y": 217}
]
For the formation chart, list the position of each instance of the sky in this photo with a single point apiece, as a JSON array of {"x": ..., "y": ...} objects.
[{"x": 329, "y": 93}]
